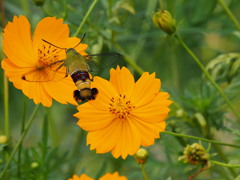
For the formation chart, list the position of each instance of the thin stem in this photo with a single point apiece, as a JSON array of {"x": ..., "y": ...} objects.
[
  {"x": 6, "y": 106},
  {"x": 132, "y": 63},
  {"x": 22, "y": 130},
  {"x": 207, "y": 75},
  {"x": 25, "y": 7},
  {"x": 225, "y": 164},
  {"x": 85, "y": 18},
  {"x": 201, "y": 139},
  {"x": 20, "y": 141},
  {"x": 229, "y": 14},
  {"x": 144, "y": 172}
]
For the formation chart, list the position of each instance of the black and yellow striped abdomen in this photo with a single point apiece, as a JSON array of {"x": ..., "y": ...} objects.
[{"x": 83, "y": 83}]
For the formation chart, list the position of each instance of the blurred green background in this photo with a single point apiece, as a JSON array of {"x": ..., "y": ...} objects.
[{"x": 57, "y": 144}]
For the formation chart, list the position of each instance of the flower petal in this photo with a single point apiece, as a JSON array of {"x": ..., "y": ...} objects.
[
  {"x": 129, "y": 141},
  {"x": 104, "y": 94},
  {"x": 63, "y": 95},
  {"x": 123, "y": 80},
  {"x": 52, "y": 30},
  {"x": 106, "y": 138},
  {"x": 17, "y": 42},
  {"x": 88, "y": 121},
  {"x": 145, "y": 89},
  {"x": 155, "y": 111}
]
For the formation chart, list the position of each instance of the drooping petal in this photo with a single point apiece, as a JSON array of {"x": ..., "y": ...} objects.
[
  {"x": 123, "y": 80},
  {"x": 17, "y": 42}
]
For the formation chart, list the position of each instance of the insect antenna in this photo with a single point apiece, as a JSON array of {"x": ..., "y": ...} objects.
[
  {"x": 80, "y": 40},
  {"x": 52, "y": 44}
]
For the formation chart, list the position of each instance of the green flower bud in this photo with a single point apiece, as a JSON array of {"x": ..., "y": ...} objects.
[
  {"x": 180, "y": 113},
  {"x": 3, "y": 139},
  {"x": 141, "y": 156},
  {"x": 34, "y": 165},
  {"x": 195, "y": 154},
  {"x": 164, "y": 20}
]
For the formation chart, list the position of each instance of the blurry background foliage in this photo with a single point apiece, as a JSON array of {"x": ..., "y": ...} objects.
[{"x": 55, "y": 147}]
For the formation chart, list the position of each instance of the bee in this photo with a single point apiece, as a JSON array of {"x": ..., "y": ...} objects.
[{"x": 78, "y": 67}]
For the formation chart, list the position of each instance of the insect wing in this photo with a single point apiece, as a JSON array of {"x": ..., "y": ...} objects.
[
  {"x": 54, "y": 72},
  {"x": 100, "y": 62}
]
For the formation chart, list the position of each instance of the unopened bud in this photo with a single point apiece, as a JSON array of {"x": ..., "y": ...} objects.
[
  {"x": 195, "y": 154},
  {"x": 34, "y": 165},
  {"x": 141, "y": 156},
  {"x": 180, "y": 113},
  {"x": 3, "y": 139},
  {"x": 164, "y": 20}
]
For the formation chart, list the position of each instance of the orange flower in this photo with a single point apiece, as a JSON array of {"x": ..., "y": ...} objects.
[
  {"x": 29, "y": 60},
  {"x": 125, "y": 114},
  {"x": 82, "y": 177},
  {"x": 114, "y": 176}
]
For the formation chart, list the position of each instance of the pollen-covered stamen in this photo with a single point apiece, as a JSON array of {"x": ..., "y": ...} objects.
[
  {"x": 47, "y": 55},
  {"x": 120, "y": 106}
]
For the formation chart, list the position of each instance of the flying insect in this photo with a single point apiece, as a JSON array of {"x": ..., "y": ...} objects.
[{"x": 78, "y": 67}]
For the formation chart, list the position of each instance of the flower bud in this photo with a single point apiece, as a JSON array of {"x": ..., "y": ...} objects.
[
  {"x": 34, "y": 165},
  {"x": 164, "y": 20},
  {"x": 180, "y": 113},
  {"x": 195, "y": 154},
  {"x": 3, "y": 139},
  {"x": 141, "y": 156}
]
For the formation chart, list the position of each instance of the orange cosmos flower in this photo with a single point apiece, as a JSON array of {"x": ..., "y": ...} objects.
[
  {"x": 29, "y": 59},
  {"x": 82, "y": 177},
  {"x": 125, "y": 114},
  {"x": 114, "y": 176}
]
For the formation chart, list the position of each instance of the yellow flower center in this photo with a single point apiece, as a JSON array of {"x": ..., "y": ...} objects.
[
  {"x": 120, "y": 106},
  {"x": 47, "y": 55}
]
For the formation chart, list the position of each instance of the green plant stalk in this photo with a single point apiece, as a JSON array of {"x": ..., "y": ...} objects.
[
  {"x": 25, "y": 7},
  {"x": 132, "y": 63},
  {"x": 22, "y": 130},
  {"x": 207, "y": 75},
  {"x": 225, "y": 164},
  {"x": 85, "y": 18},
  {"x": 20, "y": 141},
  {"x": 201, "y": 139},
  {"x": 144, "y": 172},
  {"x": 229, "y": 14},
  {"x": 224, "y": 158},
  {"x": 6, "y": 106}
]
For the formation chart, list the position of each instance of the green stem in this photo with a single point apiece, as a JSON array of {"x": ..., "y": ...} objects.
[
  {"x": 201, "y": 139},
  {"x": 225, "y": 164},
  {"x": 22, "y": 130},
  {"x": 224, "y": 158},
  {"x": 25, "y": 7},
  {"x": 229, "y": 14},
  {"x": 6, "y": 107},
  {"x": 207, "y": 75},
  {"x": 20, "y": 141},
  {"x": 85, "y": 18},
  {"x": 144, "y": 172}
]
